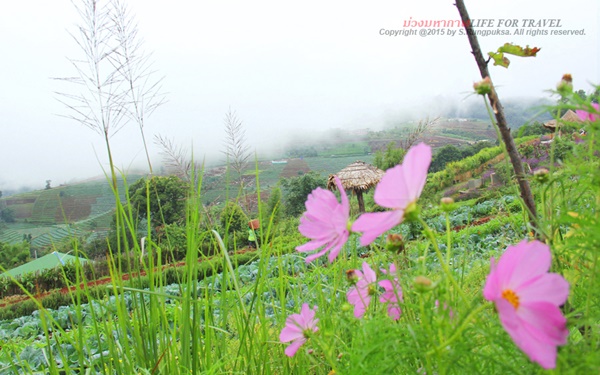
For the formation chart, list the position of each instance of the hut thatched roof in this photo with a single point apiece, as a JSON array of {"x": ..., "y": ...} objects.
[
  {"x": 357, "y": 176},
  {"x": 569, "y": 116}
]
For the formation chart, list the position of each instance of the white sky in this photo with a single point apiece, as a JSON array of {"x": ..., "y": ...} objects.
[{"x": 285, "y": 67}]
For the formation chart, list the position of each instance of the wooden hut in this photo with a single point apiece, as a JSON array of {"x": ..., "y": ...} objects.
[
  {"x": 569, "y": 116},
  {"x": 358, "y": 177}
]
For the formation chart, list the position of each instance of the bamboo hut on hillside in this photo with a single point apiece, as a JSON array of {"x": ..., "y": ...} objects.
[
  {"x": 569, "y": 116},
  {"x": 358, "y": 177}
]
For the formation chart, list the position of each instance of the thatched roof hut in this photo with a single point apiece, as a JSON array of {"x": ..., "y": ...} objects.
[
  {"x": 358, "y": 177},
  {"x": 569, "y": 116}
]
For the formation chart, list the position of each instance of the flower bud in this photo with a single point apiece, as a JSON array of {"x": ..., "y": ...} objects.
[
  {"x": 352, "y": 277},
  {"x": 447, "y": 204},
  {"x": 346, "y": 307},
  {"x": 565, "y": 86},
  {"x": 395, "y": 243},
  {"x": 483, "y": 87},
  {"x": 422, "y": 283},
  {"x": 541, "y": 175}
]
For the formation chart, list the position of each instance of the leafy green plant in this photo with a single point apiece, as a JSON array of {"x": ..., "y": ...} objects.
[{"x": 296, "y": 189}]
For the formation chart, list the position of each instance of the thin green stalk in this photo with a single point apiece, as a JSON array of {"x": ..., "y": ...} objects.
[
  {"x": 458, "y": 331},
  {"x": 230, "y": 268},
  {"x": 448, "y": 239},
  {"x": 432, "y": 239}
]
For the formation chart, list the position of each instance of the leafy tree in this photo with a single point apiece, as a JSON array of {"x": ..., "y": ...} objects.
[
  {"x": 535, "y": 128},
  {"x": 297, "y": 189},
  {"x": 581, "y": 94},
  {"x": 450, "y": 153},
  {"x": 233, "y": 218},
  {"x": 7, "y": 215},
  {"x": 273, "y": 208},
  {"x": 445, "y": 155},
  {"x": 298, "y": 152},
  {"x": 595, "y": 95},
  {"x": 391, "y": 157},
  {"x": 167, "y": 199},
  {"x": 13, "y": 255},
  {"x": 475, "y": 148}
]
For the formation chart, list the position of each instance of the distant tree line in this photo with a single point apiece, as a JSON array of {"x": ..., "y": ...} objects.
[
  {"x": 450, "y": 153},
  {"x": 14, "y": 255}
]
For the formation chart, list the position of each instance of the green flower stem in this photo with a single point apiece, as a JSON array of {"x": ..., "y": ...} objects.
[
  {"x": 448, "y": 239},
  {"x": 429, "y": 233},
  {"x": 458, "y": 330}
]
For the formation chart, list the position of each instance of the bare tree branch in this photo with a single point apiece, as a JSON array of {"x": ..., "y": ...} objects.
[
  {"x": 511, "y": 148},
  {"x": 416, "y": 133}
]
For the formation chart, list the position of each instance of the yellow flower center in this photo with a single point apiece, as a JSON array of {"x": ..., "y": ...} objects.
[{"x": 511, "y": 297}]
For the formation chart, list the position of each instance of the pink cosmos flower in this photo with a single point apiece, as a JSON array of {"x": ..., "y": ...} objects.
[
  {"x": 398, "y": 189},
  {"x": 589, "y": 116},
  {"x": 527, "y": 298},
  {"x": 297, "y": 328},
  {"x": 360, "y": 294},
  {"x": 393, "y": 293},
  {"x": 325, "y": 222}
]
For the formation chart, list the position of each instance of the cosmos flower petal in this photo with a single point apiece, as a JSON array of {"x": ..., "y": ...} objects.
[
  {"x": 399, "y": 187},
  {"x": 312, "y": 245},
  {"x": 550, "y": 287},
  {"x": 391, "y": 190},
  {"x": 491, "y": 290},
  {"x": 290, "y": 332},
  {"x": 368, "y": 274},
  {"x": 527, "y": 299},
  {"x": 523, "y": 262},
  {"x": 373, "y": 224},
  {"x": 584, "y": 115},
  {"x": 291, "y": 350},
  {"x": 393, "y": 293},
  {"x": 416, "y": 164},
  {"x": 544, "y": 329},
  {"x": 295, "y": 328},
  {"x": 359, "y": 295},
  {"x": 325, "y": 223}
]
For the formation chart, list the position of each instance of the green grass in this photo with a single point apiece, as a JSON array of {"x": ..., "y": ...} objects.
[{"x": 229, "y": 322}]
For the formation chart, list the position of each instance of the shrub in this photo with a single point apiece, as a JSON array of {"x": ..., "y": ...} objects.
[
  {"x": 297, "y": 189},
  {"x": 233, "y": 218}
]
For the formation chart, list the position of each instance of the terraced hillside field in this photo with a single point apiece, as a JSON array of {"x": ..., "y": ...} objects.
[{"x": 48, "y": 216}]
